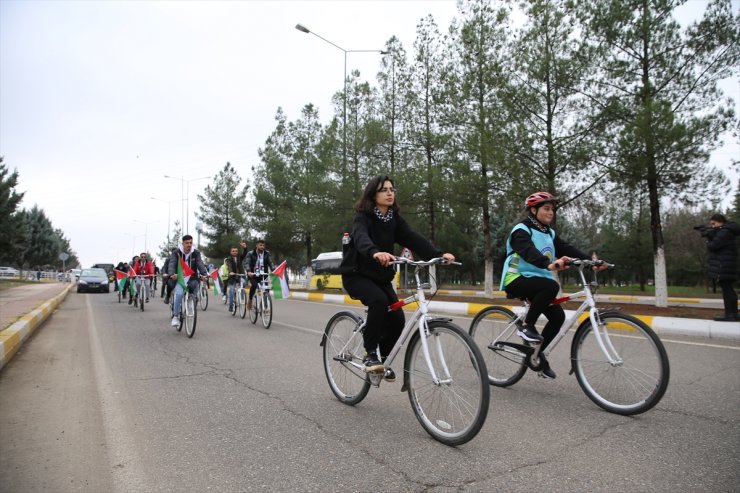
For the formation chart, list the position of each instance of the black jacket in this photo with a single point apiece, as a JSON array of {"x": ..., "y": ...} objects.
[
  {"x": 237, "y": 266},
  {"x": 722, "y": 246},
  {"x": 195, "y": 262},
  {"x": 266, "y": 261},
  {"x": 370, "y": 235}
]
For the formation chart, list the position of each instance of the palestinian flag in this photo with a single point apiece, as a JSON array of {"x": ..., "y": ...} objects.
[
  {"x": 184, "y": 272},
  {"x": 280, "y": 281},
  {"x": 120, "y": 279},
  {"x": 132, "y": 281},
  {"x": 214, "y": 275}
]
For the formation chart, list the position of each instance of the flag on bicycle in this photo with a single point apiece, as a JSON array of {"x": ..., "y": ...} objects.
[
  {"x": 184, "y": 272},
  {"x": 120, "y": 279},
  {"x": 132, "y": 282},
  {"x": 280, "y": 281},
  {"x": 214, "y": 275}
]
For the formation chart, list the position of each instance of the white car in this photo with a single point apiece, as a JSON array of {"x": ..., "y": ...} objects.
[{"x": 9, "y": 272}]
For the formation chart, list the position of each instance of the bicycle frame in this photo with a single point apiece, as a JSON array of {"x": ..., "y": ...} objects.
[
  {"x": 421, "y": 317},
  {"x": 588, "y": 304}
]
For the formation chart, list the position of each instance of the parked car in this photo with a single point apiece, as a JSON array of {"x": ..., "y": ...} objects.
[
  {"x": 9, "y": 272},
  {"x": 93, "y": 280}
]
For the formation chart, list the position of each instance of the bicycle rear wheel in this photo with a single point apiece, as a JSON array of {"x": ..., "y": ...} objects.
[
  {"x": 191, "y": 314},
  {"x": 342, "y": 344},
  {"x": 203, "y": 299},
  {"x": 453, "y": 409},
  {"x": 636, "y": 378},
  {"x": 492, "y": 331},
  {"x": 266, "y": 309}
]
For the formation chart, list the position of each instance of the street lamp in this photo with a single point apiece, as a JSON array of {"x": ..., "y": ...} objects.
[
  {"x": 186, "y": 198},
  {"x": 169, "y": 207},
  {"x": 133, "y": 244},
  {"x": 146, "y": 227},
  {"x": 306, "y": 30}
]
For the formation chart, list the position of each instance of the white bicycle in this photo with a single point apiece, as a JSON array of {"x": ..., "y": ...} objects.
[
  {"x": 619, "y": 362},
  {"x": 262, "y": 301},
  {"x": 444, "y": 372}
]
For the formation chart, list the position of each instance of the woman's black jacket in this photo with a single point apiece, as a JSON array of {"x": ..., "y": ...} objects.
[{"x": 370, "y": 235}]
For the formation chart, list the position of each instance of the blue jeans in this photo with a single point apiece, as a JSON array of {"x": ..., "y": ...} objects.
[
  {"x": 232, "y": 292},
  {"x": 193, "y": 286}
]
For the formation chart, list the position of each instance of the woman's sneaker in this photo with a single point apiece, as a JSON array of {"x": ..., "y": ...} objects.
[
  {"x": 548, "y": 374},
  {"x": 529, "y": 334},
  {"x": 372, "y": 363}
]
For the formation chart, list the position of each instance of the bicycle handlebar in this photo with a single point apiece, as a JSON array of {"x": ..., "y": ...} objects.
[
  {"x": 588, "y": 263},
  {"x": 433, "y": 261}
]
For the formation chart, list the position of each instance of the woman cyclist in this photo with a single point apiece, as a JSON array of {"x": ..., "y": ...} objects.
[
  {"x": 533, "y": 253},
  {"x": 366, "y": 273}
]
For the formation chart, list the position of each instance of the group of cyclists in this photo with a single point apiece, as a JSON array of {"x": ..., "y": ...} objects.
[{"x": 186, "y": 259}]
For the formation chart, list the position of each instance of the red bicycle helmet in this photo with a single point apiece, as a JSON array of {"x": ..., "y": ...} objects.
[{"x": 539, "y": 198}]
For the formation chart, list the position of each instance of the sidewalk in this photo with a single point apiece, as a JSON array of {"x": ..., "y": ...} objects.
[
  {"x": 23, "y": 309},
  {"x": 661, "y": 325}
]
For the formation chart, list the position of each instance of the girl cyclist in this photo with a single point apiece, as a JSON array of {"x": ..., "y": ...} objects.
[{"x": 533, "y": 253}]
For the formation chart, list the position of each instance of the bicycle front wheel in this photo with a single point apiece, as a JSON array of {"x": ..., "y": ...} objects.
[
  {"x": 343, "y": 345},
  {"x": 266, "y": 310},
  {"x": 255, "y": 311},
  {"x": 141, "y": 297},
  {"x": 242, "y": 302},
  {"x": 634, "y": 377},
  {"x": 452, "y": 408},
  {"x": 191, "y": 314},
  {"x": 493, "y": 330},
  {"x": 203, "y": 299}
]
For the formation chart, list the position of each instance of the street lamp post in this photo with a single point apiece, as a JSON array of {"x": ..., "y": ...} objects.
[
  {"x": 306, "y": 30},
  {"x": 169, "y": 207},
  {"x": 146, "y": 230},
  {"x": 133, "y": 243},
  {"x": 186, "y": 198}
]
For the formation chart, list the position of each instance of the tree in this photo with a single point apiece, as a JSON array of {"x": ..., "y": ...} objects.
[
  {"x": 477, "y": 111},
  {"x": 44, "y": 247},
  {"x": 165, "y": 249},
  {"x": 557, "y": 126},
  {"x": 15, "y": 232},
  {"x": 295, "y": 188},
  {"x": 659, "y": 87},
  {"x": 223, "y": 211}
]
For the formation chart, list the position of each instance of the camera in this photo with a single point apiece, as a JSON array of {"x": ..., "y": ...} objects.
[{"x": 705, "y": 231}]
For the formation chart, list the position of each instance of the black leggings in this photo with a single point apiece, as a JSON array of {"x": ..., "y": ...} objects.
[
  {"x": 540, "y": 291},
  {"x": 383, "y": 327},
  {"x": 729, "y": 296}
]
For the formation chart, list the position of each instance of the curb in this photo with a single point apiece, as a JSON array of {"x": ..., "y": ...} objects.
[
  {"x": 661, "y": 325},
  {"x": 11, "y": 338}
]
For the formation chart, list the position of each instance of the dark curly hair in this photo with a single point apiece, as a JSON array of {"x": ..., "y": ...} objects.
[{"x": 366, "y": 202}]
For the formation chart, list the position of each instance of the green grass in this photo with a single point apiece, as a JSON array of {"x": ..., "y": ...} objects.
[{"x": 11, "y": 283}]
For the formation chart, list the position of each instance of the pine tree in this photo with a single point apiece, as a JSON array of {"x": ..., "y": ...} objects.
[
  {"x": 223, "y": 211},
  {"x": 15, "y": 232},
  {"x": 659, "y": 87}
]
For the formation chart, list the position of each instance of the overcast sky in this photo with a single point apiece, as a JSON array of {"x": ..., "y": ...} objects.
[{"x": 100, "y": 99}]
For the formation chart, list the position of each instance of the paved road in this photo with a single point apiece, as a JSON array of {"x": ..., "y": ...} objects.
[{"x": 106, "y": 398}]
